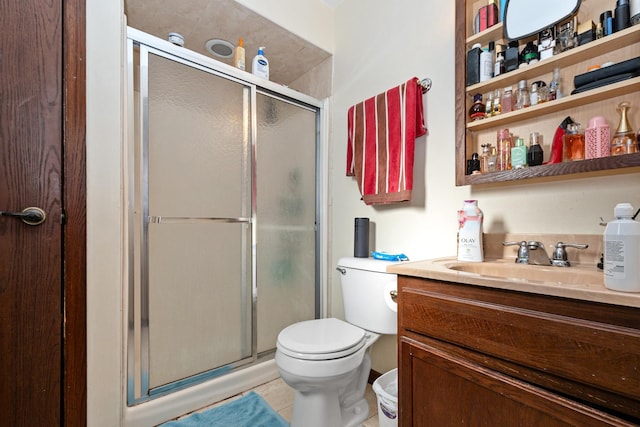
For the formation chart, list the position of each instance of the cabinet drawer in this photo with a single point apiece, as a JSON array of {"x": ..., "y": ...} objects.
[{"x": 602, "y": 355}]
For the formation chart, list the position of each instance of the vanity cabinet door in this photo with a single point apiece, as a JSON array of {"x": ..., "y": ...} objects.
[
  {"x": 440, "y": 389},
  {"x": 463, "y": 348}
]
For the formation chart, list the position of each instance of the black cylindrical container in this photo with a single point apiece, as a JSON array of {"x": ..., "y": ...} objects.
[
  {"x": 622, "y": 18},
  {"x": 361, "y": 238}
]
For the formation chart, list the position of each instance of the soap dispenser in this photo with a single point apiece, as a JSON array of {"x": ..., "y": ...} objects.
[{"x": 260, "y": 65}]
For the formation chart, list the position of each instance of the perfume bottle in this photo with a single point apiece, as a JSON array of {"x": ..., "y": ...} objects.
[
  {"x": 492, "y": 161},
  {"x": 504, "y": 150},
  {"x": 529, "y": 54},
  {"x": 477, "y": 110},
  {"x": 573, "y": 143},
  {"x": 523, "y": 99},
  {"x": 535, "y": 153},
  {"x": 506, "y": 100},
  {"x": 554, "y": 86},
  {"x": 489, "y": 105},
  {"x": 624, "y": 140},
  {"x": 597, "y": 138},
  {"x": 519, "y": 154},
  {"x": 484, "y": 158},
  {"x": 497, "y": 104}
]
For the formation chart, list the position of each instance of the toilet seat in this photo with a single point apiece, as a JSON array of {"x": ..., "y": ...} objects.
[{"x": 321, "y": 339}]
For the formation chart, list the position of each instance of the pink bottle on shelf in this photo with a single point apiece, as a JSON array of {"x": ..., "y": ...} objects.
[{"x": 597, "y": 138}]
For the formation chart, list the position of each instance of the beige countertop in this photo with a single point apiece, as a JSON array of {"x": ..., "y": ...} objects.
[{"x": 582, "y": 281}]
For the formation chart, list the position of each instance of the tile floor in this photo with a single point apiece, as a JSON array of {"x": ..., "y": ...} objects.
[{"x": 280, "y": 397}]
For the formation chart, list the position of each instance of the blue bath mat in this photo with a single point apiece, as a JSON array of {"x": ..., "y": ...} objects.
[{"x": 248, "y": 411}]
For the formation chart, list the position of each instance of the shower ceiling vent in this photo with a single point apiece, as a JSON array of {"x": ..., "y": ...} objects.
[{"x": 220, "y": 48}]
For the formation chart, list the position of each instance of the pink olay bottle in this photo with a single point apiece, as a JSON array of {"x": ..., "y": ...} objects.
[{"x": 597, "y": 138}]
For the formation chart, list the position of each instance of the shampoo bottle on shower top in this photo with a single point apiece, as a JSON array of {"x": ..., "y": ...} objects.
[
  {"x": 238, "y": 55},
  {"x": 260, "y": 65},
  {"x": 470, "y": 232}
]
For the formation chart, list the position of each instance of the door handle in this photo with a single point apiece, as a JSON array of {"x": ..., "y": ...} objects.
[{"x": 30, "y": 216}]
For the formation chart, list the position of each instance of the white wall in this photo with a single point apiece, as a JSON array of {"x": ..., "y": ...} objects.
[
  {"x": 310, "y": 19},
  {"x": 380, "y": 44},
  {"x": 104, "y": 214}
]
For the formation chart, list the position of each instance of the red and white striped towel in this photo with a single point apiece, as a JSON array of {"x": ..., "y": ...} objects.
[{"x": 380, "y": 147}]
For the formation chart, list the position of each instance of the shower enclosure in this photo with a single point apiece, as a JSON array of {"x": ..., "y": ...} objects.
[{"x": 223, "y": 212}]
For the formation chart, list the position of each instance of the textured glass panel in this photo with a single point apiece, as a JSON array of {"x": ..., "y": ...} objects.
[
  {"x": 286, "y": 211},
  {"x": 199, "y": 306},
  {"x": 197, "y": 134}
]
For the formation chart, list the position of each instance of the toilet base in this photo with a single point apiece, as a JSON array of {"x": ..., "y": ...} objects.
[
  {"x": 334, "y": 401},
  {"x": 323, "y": 409}
]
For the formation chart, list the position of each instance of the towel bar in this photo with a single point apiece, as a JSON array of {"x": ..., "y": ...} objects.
[{"x": 426, "y": 85}]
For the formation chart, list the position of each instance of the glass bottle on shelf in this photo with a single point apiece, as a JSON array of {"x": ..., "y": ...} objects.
[
  {"x": 624, "y": 140},
  {"x": 534, "y": 94},
  {"x": 489, "y": 105},
  {"x": 475, "y": 163},
  {"x": 573, "y": 143},
  {"x": 519, "y": 154},
  {"x": 535, "y": 153},
  {"x": 506, "y": 100},
  {"x": 484, "y": 158},
  {"x": 477, "y": 110},
  {"x": 523, "y": 99},
  {"x": 504, "y": 144},
  {"x": 497, "y": 103},
  {"x": 554, "y": 85},
  {"x": 492, "y": 161}
]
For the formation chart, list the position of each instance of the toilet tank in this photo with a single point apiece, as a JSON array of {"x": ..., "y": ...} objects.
[{"x": 366, "y": 288}]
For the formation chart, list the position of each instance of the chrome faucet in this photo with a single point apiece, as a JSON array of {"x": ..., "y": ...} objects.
[
  {"x": 534, "y": 253},
  {"x": 531, "y": 252},
  {"x": 560, "y": 254}
]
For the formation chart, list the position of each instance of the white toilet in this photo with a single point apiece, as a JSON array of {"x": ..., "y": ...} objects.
[{"x": 327, "y": 361}]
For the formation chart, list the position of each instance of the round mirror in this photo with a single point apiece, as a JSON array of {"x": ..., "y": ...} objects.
[{"x": 524, "y": 18}]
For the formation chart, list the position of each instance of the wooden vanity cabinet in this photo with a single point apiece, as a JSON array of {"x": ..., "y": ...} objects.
[{"x": 476, "y": 356}]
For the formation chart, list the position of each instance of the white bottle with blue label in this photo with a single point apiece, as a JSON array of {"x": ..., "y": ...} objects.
[
  {"x": 622, "y": 251},
  {"x": 260, "y": 65}
]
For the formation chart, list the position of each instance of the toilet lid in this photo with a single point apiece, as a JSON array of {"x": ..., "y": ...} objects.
[{"x": 321, "y": 339}]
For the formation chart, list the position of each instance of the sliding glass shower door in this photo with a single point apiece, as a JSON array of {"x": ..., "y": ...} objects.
[{"x": 222, "y": 223}]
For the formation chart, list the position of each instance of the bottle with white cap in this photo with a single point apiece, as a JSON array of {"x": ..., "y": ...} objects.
[
  {"x": 260, "y": 64},
  {"x": 622, "y": 251}
]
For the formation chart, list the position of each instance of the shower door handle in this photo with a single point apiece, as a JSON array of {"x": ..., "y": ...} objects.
[{"x": 30, "y": 216}]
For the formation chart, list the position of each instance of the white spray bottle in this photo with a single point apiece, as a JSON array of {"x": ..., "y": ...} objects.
[{"x": 260, "y": 65}]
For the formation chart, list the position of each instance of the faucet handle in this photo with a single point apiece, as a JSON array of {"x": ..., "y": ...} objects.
[
  {"x": 560, "y": 253},
  {"x": 523, "y": 251}
]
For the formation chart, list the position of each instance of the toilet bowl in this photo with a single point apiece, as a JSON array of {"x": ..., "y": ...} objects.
[{"x": 327, "y": 361}]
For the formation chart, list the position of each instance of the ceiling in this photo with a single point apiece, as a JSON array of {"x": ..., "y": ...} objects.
[{"x": 200, "y": 20}]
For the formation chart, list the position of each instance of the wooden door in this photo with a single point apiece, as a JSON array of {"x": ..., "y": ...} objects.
[{"x": 41, "y": 159}]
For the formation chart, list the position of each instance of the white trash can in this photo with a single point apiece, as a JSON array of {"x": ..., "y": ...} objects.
[{"x": 386, "y": 389}]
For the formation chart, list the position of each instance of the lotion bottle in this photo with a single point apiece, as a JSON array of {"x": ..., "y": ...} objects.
[
  {"x": 260, "y": 65},
  {"x": 470, "y": 232},
  {"x": 238, "y": 55},
  {"x": 622, "y": 251}
]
